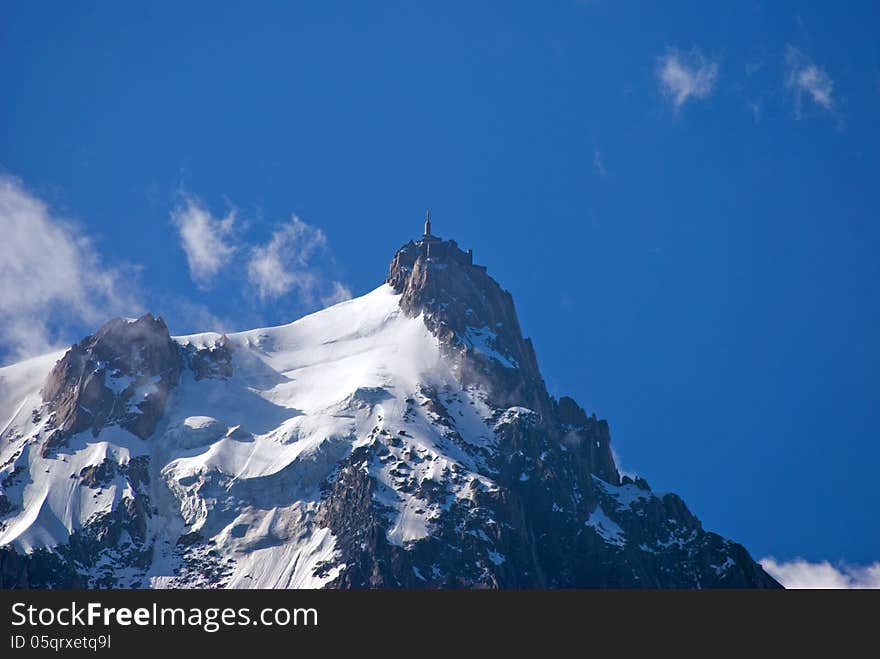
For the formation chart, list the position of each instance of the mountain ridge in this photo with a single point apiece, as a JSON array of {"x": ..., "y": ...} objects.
[{"x": 402, "y": 439}]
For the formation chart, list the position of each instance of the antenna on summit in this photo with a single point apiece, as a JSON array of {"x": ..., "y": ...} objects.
[{"x": 428, "y": 223}]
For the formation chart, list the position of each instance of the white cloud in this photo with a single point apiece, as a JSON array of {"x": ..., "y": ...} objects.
[
  {"x": 803, "y": 574},
  {"x": 207, "y": 240},
  {"x": 599, "y": 162},
  {"x": 55, "y": 287},
  {"x": 755, "y": 107},
  {"x": 686, "y": 76},
  {"x": 284, "y": 263},
  {"x": 805, "y": 80},
  {"x": 52, "y": 279},
  {"x": 618, "y": 462},
  {"x": 339, "y": 293},
  {"x": 185, "y": 316}
]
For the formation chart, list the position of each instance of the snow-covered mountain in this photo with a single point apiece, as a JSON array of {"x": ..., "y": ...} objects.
[{"x": 401, "y": 439}]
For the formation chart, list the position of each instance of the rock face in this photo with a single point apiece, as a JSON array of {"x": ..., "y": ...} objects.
[
  {"x": 473, "y": 317},
  {"x": 401, "y": 439},
  {"x": 558, "y": 514},
  {"x": 120, "y": 375}
]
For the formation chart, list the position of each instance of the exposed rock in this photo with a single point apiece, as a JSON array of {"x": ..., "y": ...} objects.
[
  {"x": 117, "y": 538},
  {"x": 121, "y": 375},
  {"x": 591, "y": 437},
  {"x": 5, "y": 505},
  {"x": 13, "y": 476},
  {"x": 214, "y": 361},
  {"x": 479, "y": 479},
  {"x": 473, "y": 317},
  {"x": 560, "y": 515},
  {"x": 98, "y": 475},
  {"x": 138, "y": 472},
  {"x": 537, "y": 529},
  {"x": 39, "y": 569}
]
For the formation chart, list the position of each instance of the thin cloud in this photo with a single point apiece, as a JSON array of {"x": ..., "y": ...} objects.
[
  {"x": 618, "y": 462},
  {"x": 803, "y": 574},
  {"x": 755, "y": 107},
  {"x": 53, "y": 282},
  {"x": 55, "y": 286},
  {"x": 807, "y": 82},
  {"x": 686, "y": 76},
  {"x": 753, "y": 67},
  {"x": 339, "y": 292},
  {"x": 284, "y": 263},
  {"x": 206, "y": 240},
  {"x": 599, "y": 162},
  {"x": 186, "y": 316}
]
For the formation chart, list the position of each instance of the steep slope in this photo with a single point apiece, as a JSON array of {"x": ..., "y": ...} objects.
[{"x": 401, "y": 439}]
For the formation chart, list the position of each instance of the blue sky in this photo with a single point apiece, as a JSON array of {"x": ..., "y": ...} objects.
[{"x": 682, "y": 199}]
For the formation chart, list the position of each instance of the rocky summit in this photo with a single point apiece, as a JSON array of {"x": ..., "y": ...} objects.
[{"x": 403, "y": 439}]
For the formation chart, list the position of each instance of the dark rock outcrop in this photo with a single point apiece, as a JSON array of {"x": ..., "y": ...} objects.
[
  {"x": 41, "y": 568},
  {"x": 121, "y": 375},
  {"x": 561, "y": 515},
  {"x": 214, "y": 361},
  {"x": 474, "y": 318},
  {"x": 99, "y": 475},
  {"x": 524, "y": 493}
]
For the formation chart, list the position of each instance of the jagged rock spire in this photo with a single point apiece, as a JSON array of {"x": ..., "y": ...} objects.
[{"x": 473, "y": 316}]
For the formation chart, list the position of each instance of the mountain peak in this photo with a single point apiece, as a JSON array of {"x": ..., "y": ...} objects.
[
  {"x": 120, "y": 374},
  {"x": 404, "y": 438},
  {"x": 473, "y": 317}
]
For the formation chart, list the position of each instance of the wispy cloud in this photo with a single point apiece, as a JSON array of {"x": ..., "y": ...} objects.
[
  {"x": 55, "y": 286},
  {"x": 806, "y": 81},
  {"x": 803, "y": 574},
  {"x": 599, "y": 162},
  {"x": 755, "y": 107},
  {"x": 52, "y": 278},
  {"x": 339, "y": 292},
  {"x": 686, "y": 76},
  {"x": 284, "y": 263},
  {"x": 206, "y": 239},
  {"x": 185, "y": 316},
  {"x": 753, "y": 66}
]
